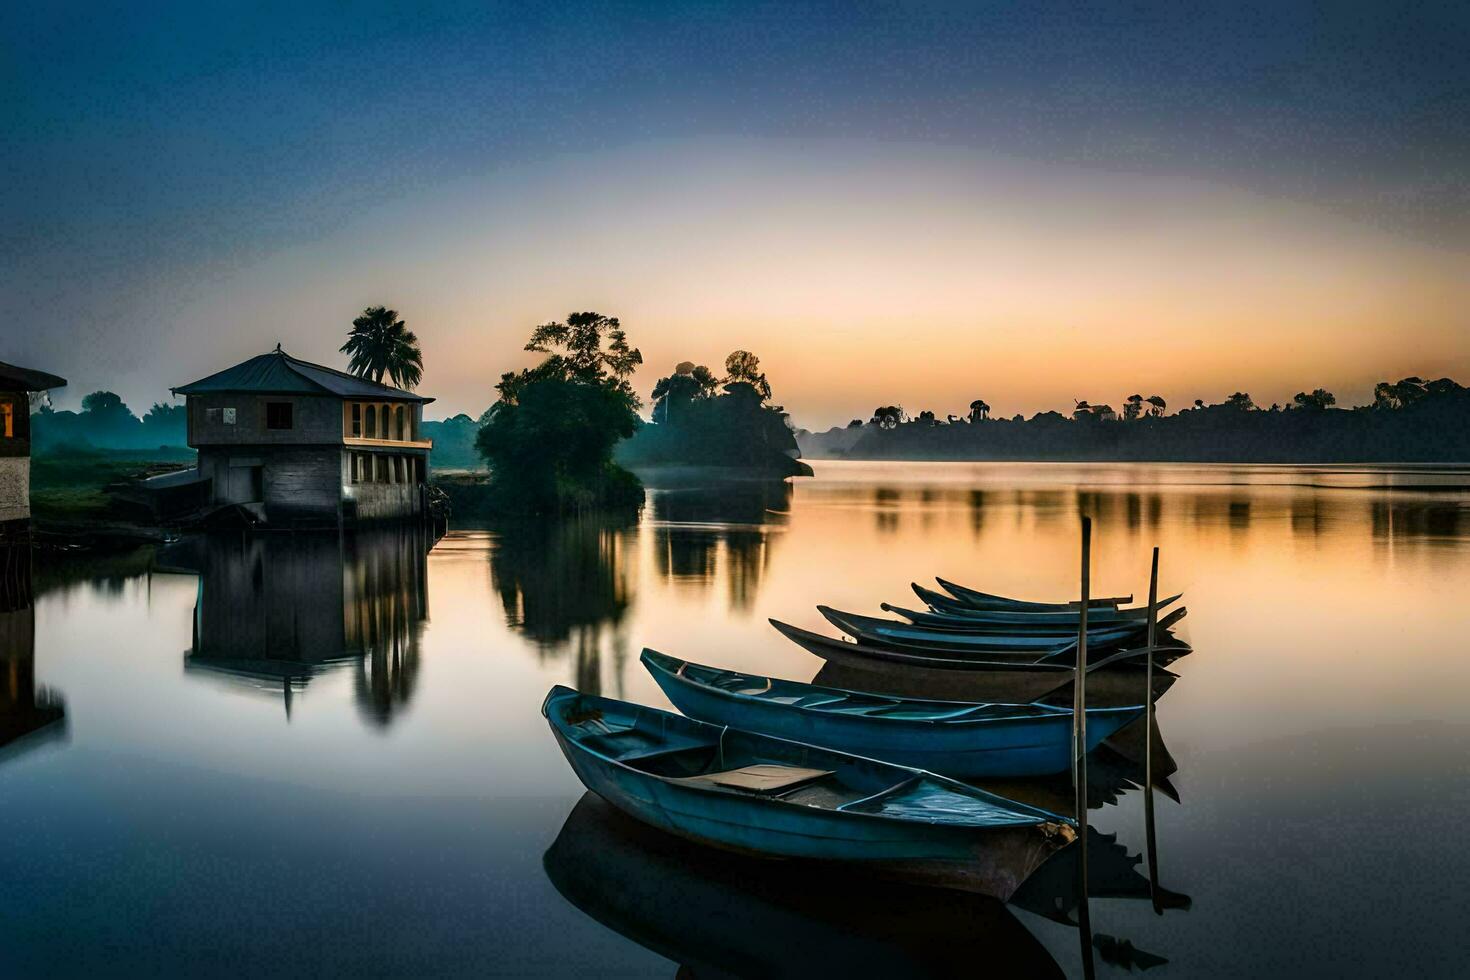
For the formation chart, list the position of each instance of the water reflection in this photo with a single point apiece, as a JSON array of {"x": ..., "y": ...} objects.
[
  {"x": 718, "y": 914},
  {"x": 694, "y": 530},
  {"x": 566, "y": 586},
  {"x": 28, "y": 714},
  {"x": 274, "y": 610}
]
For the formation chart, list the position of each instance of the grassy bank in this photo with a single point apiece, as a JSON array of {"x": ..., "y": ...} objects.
[{"x": 72, "y": 487}]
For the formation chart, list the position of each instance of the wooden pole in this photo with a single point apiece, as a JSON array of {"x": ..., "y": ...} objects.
[
  {"x": 1148, "y": 745},
  {"x": 1079, "y": 754}
]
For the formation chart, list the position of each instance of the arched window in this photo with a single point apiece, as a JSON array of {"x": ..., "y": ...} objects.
[
  {"x": 372, "y": 422},
  {"x": 402, "y": 428}
]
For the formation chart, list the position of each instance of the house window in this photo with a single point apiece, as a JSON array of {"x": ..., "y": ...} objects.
[
  {"x": 278, "y": 415},
  {"x": 402, "y": 423},
  {"x": 7, "y": 420},
  {"x": 372, "y": 422},
  {"x": 212, "y": 415},
  {"x": 229, "y": 414},
  {"x": 356, "y": 419}
]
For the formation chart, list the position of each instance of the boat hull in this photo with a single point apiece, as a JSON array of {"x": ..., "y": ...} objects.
[
  {"x": 1017, "y": 746},
  {"x": 989, "y": 860}
]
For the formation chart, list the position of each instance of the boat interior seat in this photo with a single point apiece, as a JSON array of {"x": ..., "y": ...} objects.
[{"x": 764, "y": 779}]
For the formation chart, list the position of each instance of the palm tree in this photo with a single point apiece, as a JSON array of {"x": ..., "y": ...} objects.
[{"x": 379, "y": 343}]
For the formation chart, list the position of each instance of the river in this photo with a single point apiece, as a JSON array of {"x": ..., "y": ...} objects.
[{"x": 296, "y": 754}]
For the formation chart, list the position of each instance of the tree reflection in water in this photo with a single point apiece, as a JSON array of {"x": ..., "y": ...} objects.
[
  {"x": 564, "y": 583},
  {"x": 697, "y": 530}
]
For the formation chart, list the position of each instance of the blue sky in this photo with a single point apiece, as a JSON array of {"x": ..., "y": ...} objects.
[{"x": 160, "y": 158}]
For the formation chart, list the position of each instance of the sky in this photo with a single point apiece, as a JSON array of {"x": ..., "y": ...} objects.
[{"x": 896, "y": 203}]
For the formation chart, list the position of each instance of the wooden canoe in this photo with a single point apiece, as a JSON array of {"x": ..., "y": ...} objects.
[
  {"x": 906, "y": 637},
  {"x": 1118, "y": 680},
  {"x": 967, "y": 740},
  {"x": 988, "y": 600},
  {"x": 767, "y": 796}
]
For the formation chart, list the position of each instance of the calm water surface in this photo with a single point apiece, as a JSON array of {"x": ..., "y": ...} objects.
[{"x": 295, "y": 754}]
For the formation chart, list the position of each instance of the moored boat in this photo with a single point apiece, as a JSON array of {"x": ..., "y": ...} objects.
[
  {"x": 906, "y": 636},
  {"x": 961, "y": 739},
  {"x": 950, "y": 608},
  {"x": 987, "y": 600},
  {"x": 1117, "y": 679},
  {"x": 772, "y": 797}
]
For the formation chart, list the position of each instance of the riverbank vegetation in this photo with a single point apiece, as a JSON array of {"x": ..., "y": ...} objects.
[
  {"x": 1411, "y": 420},
  {"x": 549, "y": 437},
  {"x": 724, "y": 423},
  {"x": 75, "y": 486}
]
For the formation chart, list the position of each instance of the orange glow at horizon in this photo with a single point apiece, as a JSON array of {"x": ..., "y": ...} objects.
[{"x": 865, "y": 275}]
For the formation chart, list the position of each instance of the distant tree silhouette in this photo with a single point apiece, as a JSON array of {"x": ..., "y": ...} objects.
[
  {"x": 1411, "y": 420},
  {"x": 1199, "y": 403},
  {"x": 380, "y": 344},
  {"x": 1408, "y": 391},
  {"x": 1318, "y": 398},
  {"x": 105, "y": 403},
  {"x": 926, "y": 417},
  {"x": 855, "y": 424},
  {"x": 1156, "y": 405},
  {"x": 688, "y": 383},
  {"x": 1132, "y": 407},
  {"x": 1241, "y": 402},
  {"x": 742, "y": 365},
  {"x": 979, "y": 411},
  {"x": 695, "y": 426},
  {"x": 888, "y": 416}
]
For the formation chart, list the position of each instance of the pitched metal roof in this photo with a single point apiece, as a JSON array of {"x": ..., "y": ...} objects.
[
  {"x": 279, "y": 373},
  {"x": 16, "y": 378}
]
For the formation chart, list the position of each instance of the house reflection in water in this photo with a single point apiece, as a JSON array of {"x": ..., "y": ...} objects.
[
  {"x": 28, "y": 715},
  {"x": 276, "y": 609}
]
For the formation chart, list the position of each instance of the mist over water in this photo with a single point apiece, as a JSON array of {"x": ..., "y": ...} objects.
[{"x": 299, "y": 753}]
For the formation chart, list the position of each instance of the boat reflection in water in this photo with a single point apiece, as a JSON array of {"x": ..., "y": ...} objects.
[
  {"x": 276, "y": 609},
  {"x": 715, "y": 915}
]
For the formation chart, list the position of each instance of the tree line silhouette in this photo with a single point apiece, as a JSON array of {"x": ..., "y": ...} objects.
[
  {"x": 702, "y": 420},
  {"x": 1411, "y": 420}
]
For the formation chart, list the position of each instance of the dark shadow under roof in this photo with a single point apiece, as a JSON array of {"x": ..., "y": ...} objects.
[
  {"x": 16, "y": 378},
  {"x": 278, "y": 373}
]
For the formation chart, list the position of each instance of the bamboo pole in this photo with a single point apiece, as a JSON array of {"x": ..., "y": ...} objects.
[
  {"x": 1148, "y": 745},
  {"x": 1079, "y": 753}
]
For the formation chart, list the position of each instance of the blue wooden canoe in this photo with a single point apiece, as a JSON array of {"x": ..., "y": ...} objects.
[
  {"x": 907, "y": 636},
  {"x": 961, "y": 739},
  {"x": 1116, "y": 678},
  {"x": 776, "y": 798},
  {"x": 949, "y": 608}
]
